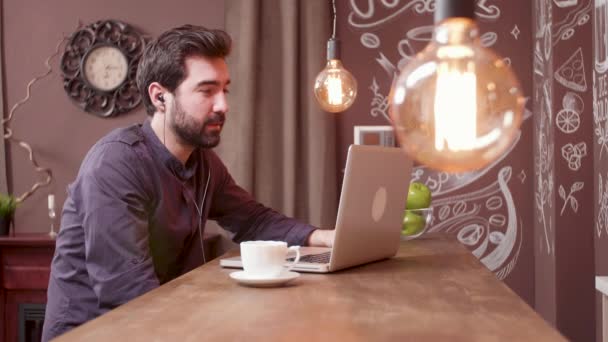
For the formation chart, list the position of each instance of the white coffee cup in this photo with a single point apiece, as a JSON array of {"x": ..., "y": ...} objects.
[{"x": 266, "y": 259}]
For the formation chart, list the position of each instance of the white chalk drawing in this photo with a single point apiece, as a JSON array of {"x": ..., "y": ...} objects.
[
  {"x": 538, "y": 60},
  {"x": 574, "y": 102},
  {"x": 364, "y": 11},
  {"x": 488, "y": 39},
  {"x": 600, "y": 112},
  {"x": 541, "y": 18},
  {"x": 494, "y": 202},
  {"x": 547, "y": 97},
  {"x": 379, "y": 102},
  {"x": 425, "y": 34},
  {"x": 491, "y": 239},
  {"x": 504, "y": 272},
  {"x": 574, "y": 154},
  {"x": 515, "y": 32},
  {"x": 568, "y": 121},
  {"x": 406, "y": 51},
  {"x": 542, "y": 124},
  {"x": 544, "y": 193},
  {"x": 566, "y": 28},
  {"x": 487, "y": 11},
  {"x": 576, "y": 186},
  {"x": 601, "y": 223},
  {"x": 421, "y": 33},
  {"x": 547, "y": 47},
  {"x": 387, "y": 65},
  {"x": 522, "y": 176},
  {"x": 370, "y": 40},
  {"x": 601, "y": 131},
  {"x": 496, "y": 237},
  {"x": 600, "y": 34},
  {"x": 571, "y": 74},
  {"x": 565, "y": 3}
]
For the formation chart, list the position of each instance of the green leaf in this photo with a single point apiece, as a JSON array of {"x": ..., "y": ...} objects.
[{"x": 8, "y": 204}]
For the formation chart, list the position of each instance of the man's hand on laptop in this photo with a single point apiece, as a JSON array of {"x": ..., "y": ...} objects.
[{"x": 321, "y": 238}]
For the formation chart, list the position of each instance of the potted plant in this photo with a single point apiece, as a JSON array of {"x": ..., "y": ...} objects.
[{"x": 8, "y": 204}]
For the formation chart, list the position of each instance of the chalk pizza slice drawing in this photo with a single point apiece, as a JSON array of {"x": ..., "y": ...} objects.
[
  {"x": 567, "y": 120},
  {"x": 572, "y": 73}
]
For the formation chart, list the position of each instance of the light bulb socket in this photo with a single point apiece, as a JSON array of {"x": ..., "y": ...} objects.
[
  {"x": 333, "y": 48},
  {"x": 454, "y": 9}
]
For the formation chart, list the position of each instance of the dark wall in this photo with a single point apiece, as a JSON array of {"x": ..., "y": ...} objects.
[
  {"x": 600, "y": 144},
  {"x": 59, "y": 132},
  {"x": 490, "y": 211},
  {"x": 570, "y": 29},
  {"x": 530, "y": 217}
]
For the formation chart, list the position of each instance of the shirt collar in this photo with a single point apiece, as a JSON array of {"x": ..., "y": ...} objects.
[{"x": 167, "y": 158}]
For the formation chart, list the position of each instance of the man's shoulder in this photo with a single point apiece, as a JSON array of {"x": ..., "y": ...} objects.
[
  {"x": 129, "y": 135},
  {"x": 121, "y": 144}
]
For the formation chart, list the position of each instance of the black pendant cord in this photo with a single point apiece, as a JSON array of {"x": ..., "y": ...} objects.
[
  {"x": 454, "y": 9},
  {"x": 333, "y": 44},
  {"x": 333, "y": 6}
]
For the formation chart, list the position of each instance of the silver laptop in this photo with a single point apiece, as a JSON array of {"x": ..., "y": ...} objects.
[{"x": 370, "y": 215}]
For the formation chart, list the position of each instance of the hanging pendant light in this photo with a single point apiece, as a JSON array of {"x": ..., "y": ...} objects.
[
  {"x": 457, "y": 106},
  {"x": 335, "y": 87}
]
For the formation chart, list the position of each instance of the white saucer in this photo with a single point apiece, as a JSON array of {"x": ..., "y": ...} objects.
[{"x": 245, "y": 279}]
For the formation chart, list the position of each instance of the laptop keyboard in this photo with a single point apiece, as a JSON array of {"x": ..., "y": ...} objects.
[{"x": 321, "y": 258}]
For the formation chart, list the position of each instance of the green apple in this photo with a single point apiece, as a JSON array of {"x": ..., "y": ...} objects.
[
  {"x": 418, "y": 196},
  {"x": 413, "y": 223}
]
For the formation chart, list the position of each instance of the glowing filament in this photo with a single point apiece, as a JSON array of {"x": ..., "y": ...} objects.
[
  {"x": 334, "y": 90},
  {"x": 455, "y": 109}
]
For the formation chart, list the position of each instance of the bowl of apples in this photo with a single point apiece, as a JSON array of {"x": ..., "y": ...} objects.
[{"x": 418, "y": 211}]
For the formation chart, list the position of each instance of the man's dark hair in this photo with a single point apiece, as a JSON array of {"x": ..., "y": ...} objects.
[{"x": 163, "y": 59}]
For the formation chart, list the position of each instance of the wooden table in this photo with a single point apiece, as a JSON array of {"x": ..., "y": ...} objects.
[{"x": 433, "y": 290}]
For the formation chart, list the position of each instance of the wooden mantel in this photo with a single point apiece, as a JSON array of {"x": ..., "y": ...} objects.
[{"x": 25, "y": 261}]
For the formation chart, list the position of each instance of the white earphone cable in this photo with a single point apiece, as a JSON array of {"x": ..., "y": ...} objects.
[{"x": 200, "y": 216}]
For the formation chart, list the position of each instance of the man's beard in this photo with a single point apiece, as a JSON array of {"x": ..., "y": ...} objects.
[{"x": 193, "y": 133}]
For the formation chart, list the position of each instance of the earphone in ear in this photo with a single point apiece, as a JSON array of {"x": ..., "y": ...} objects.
[{"x": 161, "y": 98}]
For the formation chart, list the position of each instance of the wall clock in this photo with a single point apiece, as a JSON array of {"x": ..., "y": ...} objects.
[{"x": 99, "y": 65}]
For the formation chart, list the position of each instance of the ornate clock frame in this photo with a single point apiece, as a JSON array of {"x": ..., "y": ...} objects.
[{"x": 103, "y": 103}]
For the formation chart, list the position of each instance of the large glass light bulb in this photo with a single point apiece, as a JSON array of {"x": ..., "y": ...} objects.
[
  {"x": 457, "y": 106},
  {"x": 335, "y": 87}
]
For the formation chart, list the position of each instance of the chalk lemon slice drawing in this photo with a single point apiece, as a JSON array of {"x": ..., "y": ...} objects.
[{"x": 568, "y": 121}]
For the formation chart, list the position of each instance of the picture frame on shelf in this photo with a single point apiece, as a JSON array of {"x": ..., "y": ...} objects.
[{"x": 375, "y": 135}]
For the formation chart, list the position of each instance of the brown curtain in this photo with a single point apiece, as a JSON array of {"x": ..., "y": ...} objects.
[
  {"x": 277, "y": 143},
  {"x": 3, "y": 164}
]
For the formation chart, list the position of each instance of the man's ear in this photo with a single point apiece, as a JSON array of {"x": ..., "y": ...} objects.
[{"x": 157, "y": 94}]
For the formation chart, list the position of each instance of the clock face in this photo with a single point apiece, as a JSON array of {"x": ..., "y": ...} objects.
[{"x": 105, "y": 68}]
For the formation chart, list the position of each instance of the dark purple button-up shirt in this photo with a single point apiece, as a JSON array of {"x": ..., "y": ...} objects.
[{"x": 131, "y": 222}]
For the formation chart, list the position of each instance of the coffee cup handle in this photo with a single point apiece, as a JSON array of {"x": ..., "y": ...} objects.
[{"x": 295, "y": 261}]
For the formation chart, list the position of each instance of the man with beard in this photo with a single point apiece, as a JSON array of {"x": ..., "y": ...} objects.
[{"x": 135, "y": 214}]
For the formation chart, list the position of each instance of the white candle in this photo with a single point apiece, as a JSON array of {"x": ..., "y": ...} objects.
[{"x": 51, "y": 202}]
